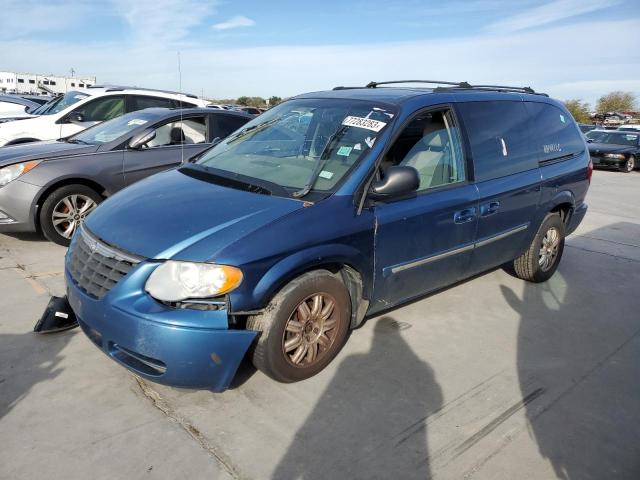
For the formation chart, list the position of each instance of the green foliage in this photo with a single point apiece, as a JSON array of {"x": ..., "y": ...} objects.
[
  {"x": 579, "y": 110},
  {"x": 243, "y": 100},
  {"x": 616, "y": 102},
  {"x": 273, "y": 101}
]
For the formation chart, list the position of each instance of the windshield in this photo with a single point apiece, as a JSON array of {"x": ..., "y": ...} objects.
[
  {"x": 60, "y": 103},
  {"x": 110, "y": 130},
  {"x": 302, "y": 145},
  {"x": 615, "y": 138}
]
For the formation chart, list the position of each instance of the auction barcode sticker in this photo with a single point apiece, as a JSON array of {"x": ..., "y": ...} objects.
[{"x": 373, "y": 125}]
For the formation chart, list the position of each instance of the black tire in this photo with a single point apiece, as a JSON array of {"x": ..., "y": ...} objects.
[
  {"x": 528, "y": 266},
  {"x": 628, "y": 166},
  {"x": 268, "y": 354},
  {"x": 50, "y": 203}
]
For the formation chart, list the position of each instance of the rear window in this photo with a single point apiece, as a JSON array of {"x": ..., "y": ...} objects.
[
  {"x": 500, "y": 138},
  {"x": 557, "y": 134}
]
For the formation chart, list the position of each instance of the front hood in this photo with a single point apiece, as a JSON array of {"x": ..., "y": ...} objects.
[
  {"x": 11, "y": 116},
  {"x": 37, "y": 150},
  {"x": 172, "y": 215},
  {"x": 602, "y": 148}
]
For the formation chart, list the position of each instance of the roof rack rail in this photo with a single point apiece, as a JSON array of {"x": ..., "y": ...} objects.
[
  {"x": 438, "y": 82},
  {"x": 117, "y": 88},
  {"x": 455, "y": 85}
]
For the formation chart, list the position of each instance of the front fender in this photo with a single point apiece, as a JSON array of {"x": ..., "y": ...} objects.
[{"x": 294, "y": 265}]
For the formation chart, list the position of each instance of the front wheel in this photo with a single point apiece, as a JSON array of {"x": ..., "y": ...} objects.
[
  {"x": 303, "y": 328},
  {"x": 541, "y": 259},
  {"x": 629, "y": 165},
  {"x": 64, "y": 210}
]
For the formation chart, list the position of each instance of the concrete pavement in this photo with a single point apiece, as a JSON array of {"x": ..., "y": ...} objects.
[{"x": 491, "y": 379}]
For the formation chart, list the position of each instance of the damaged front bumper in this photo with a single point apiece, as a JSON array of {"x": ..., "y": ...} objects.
[{"x": 178, "y": 347}]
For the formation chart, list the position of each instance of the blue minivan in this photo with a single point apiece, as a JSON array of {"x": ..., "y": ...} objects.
[{"x": 327, "y": 209}]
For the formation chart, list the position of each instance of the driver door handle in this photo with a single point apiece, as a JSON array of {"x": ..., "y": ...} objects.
[{"x": 464, "y": 216}]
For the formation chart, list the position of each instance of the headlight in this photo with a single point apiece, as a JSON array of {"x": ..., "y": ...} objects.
[
  {"x": 10, "y": 173},
  {"x": 614, "y": 155},
  {"x": 174, "y": 281}
]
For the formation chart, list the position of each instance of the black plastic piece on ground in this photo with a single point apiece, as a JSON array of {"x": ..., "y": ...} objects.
[{"x": 57, "y": 317}]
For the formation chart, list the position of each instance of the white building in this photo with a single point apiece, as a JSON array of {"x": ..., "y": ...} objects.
[{"x": 31, "y": 83}]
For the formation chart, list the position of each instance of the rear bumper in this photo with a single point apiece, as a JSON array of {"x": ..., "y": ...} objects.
[
  {"x": 576, "y": 218},
  {"x": 183, "y": 348},
  {"x": 16, "y": 200}
]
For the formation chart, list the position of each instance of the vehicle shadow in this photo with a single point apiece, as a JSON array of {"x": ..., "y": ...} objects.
[
  {"x": 27, "y": 359},
  {"x": 370, "y": 422},
  {"x": 27, "y": 236},
  {"x": 579, "y": 342}
]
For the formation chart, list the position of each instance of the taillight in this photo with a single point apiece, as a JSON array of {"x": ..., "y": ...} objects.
[{"x": 589, "y": 170}]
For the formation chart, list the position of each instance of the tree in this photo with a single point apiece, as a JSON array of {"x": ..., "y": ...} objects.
[
  {"x": 273, "y": 101},
  {"x": 579, "y": 110},
  {"x": 243, "y": 100},
  {"x": 616, "y": 102}
]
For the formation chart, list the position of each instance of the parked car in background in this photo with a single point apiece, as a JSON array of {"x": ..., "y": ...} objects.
[
  {"x": 630, "y": 128},
  {"x": 251, "y": 110},
  {"x": 286, "y": 234},
  {"x": 77, "y": 110},
  {"x": 52, "y": 186},
  {"x": 617, "y": 149},
  {"x": 584, "y": 128},
  {"x": 15, "y": 105}
]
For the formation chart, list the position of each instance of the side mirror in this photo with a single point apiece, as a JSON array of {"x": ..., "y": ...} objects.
[
  {"x": 76, "y": 117},
  {"x": 589, "y": 140},
  {"x": 141, "y": 139},
  {"x": 397, "y": 181}
]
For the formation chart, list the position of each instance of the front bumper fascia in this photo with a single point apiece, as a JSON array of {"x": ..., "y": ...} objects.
[
  {"x": 16, "y": 206},
  {"x": 177, "y": 347}
]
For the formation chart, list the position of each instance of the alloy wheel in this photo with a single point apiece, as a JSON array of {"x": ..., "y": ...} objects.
[
  {"x": 549, "y": 249},
  {"x": 70, "y": 212},
  {"x": 630, "y": 165},
  {"x": 311, "y": 330}
]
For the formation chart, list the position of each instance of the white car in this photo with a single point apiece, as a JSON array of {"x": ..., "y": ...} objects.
[{"x": 77, "y": 110}]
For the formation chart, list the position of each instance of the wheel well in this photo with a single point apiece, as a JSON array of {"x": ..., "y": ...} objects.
[
  {"x": 351, "y": 278},
  {"x": 67, "y": 181},
  {"x": 565, "y": 210},
  {"x": 21, "y": 140}
]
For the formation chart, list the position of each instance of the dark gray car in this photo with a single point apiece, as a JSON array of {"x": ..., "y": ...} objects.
[{"x": 52, "y": 186}]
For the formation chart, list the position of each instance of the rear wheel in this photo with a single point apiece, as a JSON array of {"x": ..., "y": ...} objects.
[
  {"x": 541, "y": 259},
  {"x": 303, "y": 327},
  {"x": 629, "y": 165},
  {"x": 65, "y": 209}
]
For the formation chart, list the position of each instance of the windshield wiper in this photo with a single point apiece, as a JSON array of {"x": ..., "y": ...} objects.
[
  {"x": 320, "y": 163},
  {"x": 77, "y": 141},
  {"x": 233, "y": 180}
]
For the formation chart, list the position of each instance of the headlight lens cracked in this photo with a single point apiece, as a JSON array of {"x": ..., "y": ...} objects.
[{"x": 175, "y": 281}]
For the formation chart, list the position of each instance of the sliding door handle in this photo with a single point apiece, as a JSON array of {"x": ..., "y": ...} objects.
[{"x": 489, "y": 208}]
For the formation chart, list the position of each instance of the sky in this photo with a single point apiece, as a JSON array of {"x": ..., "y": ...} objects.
[{"x": 227, "y": 48}]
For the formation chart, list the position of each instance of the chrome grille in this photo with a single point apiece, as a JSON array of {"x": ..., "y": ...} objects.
[{"x": 95, "y": 266}]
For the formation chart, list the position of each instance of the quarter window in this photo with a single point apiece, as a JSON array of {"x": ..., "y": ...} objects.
[
  {"x": 557, "y": 133},
  {"x": 430, "y": 144},
  {"x": 500, "y": 137},
  {"x": 190, "y": 131}
]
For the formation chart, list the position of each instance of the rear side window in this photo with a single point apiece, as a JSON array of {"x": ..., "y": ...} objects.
[
  {"x": 556, "y": 132},
  {"x": 500, "y": 138},
  {"x": 139, "y": 102},
  {"x": 224, "y": 125}
]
